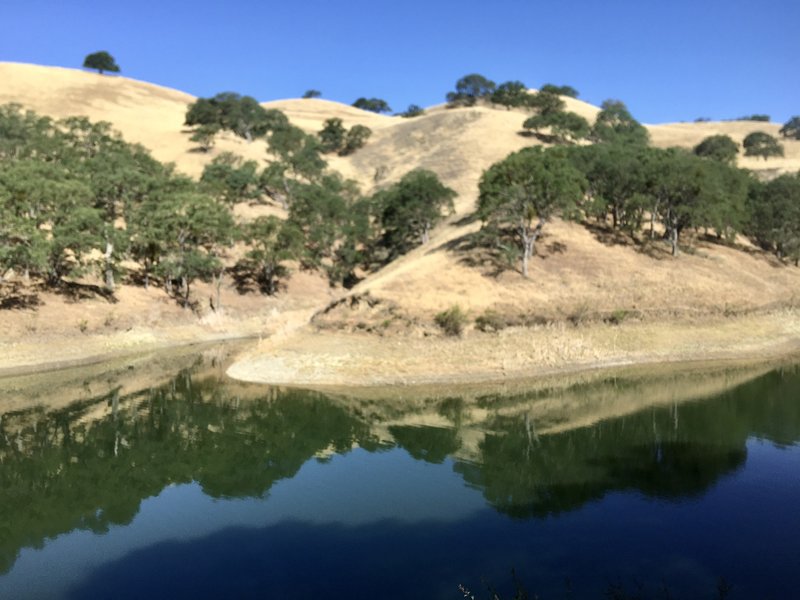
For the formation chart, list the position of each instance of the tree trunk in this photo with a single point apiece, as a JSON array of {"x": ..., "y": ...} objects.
[
  {"x": 109, "y": 270},
  {"x": 673, "y": 238},
  {"x": 269, "y": 280},
  {"x": 218, "y": 287},
  {"x": 426, "y": 233},
  {"x": 529, "y": 237},
  {"x": 615, "y": 216},
  {"x": 185, "y": 290}
]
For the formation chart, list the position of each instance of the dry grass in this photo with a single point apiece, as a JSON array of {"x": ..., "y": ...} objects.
[{"x": 575, "y": 267}]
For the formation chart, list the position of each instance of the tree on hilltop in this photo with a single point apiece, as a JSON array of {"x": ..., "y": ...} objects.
[
  {"x": 615, "y": 124},
  {"x": 312, "y": 94},
  {"x": 469, "y": 89},
  {"x": 101, "y": 61},
  {"x": 762, "y": 144},
  {"x": 511, "y": 94},
  {"x": 560, "y": 90},
  {"x": 375, "y": 105},
  {"x": 791, "y": 129}
]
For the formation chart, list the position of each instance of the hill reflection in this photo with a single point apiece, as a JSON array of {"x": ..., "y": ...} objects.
[{"x": 89, "y": 464}]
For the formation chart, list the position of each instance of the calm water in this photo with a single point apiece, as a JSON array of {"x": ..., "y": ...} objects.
[{"x": 163, "y": 479}]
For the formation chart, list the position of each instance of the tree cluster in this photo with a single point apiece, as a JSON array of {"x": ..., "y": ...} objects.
[
  {"x": 563, "y": 126},
  {"x": 638, "y": 187},
  {"x": 335, "y": 137},
  {"x": 77, "y": 201},
  {"x": 229, "y": 111}
]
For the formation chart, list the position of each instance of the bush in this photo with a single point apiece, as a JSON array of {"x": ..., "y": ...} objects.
[
  {"x": 452, "y": 320},
  {"x": 490, "y": 321}
]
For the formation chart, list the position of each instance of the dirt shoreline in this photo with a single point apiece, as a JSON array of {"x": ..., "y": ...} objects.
[
  {"x": 296, "y": 355},
  {"x": 325, "y": 360}
]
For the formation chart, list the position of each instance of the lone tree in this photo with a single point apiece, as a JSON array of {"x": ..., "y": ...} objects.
[
  {"x": 312, "y": 94},
  {"x": 718, "y": 147},
  {"x": 560, "y": 90},
  {"x": 469, "y": 89},
  {"x": 101, "y": 61},
  {"x": 615, "y": 124},
  {"x": 521, "y": 193},
  {"x": 791, "y": 129},
  {"x": 411, "y": 208},
  {"x": 762, "y": 144},
  {"x": 375, "y": 105}
]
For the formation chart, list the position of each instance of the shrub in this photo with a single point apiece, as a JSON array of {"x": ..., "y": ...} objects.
[
  {"x": 491, "y": 320},
  {"x": 452, "y": 320}
]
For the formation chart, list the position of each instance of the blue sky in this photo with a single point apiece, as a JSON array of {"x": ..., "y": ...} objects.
[{"x": 669, "y": 60}]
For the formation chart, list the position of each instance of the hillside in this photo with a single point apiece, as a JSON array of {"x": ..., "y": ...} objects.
[{"x": 578, "y": 271}]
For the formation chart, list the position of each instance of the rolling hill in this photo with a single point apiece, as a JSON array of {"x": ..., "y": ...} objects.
[{"x": 577, "y": 269}]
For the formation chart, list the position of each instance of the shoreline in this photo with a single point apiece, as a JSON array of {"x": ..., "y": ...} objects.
[
  {"x": 297, "y": 356},
  {"x": 340, "y": 361}
]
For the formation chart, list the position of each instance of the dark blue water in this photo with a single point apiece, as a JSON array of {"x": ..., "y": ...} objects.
[{"x": 679, "y": 486}]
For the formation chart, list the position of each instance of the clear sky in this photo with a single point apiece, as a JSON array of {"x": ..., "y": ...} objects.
[{"x": 669, "y": 60}]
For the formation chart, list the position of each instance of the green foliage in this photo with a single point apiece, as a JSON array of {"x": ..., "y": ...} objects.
[
  {"x": 511, "y": 94},
  {"x": 375, "y": 105},
  {"x": 762, "y": 144},
  {"x": 546, "y": 103},
  {"x": 692, "y": 192},
  {"x": 242, "y": 115},
  {"x": 355, "y": 139},
  {"x": 231, "y": 179},
  {"x": 564, "y": 127},
  {"x": 775, "y": 210},
  {"x": 204, "y": 136},
  {"x": 413, "y": 110},
  {"x": 616, "y": 176},
  {"x": 101, "y": 61},
  {"x": 312, "y": 94},
  {"x": 791, "y": 129},
  {"x": 76, "y": 200},
  {"x": 296, "y": 159},
  {"x": 519, "y": 194},
  {"x": 560, "y": 90},
  {"x": 718, "y": 147},
  {"x": 470, "y": 89},
  {"x": 410, "y": 208},
  {"x": 272, "y": 242},
  {"x": 321, "y": 211},
  {"x": 452, "y": 321},
  {"x": 615, "y": 124},
  {"x": 332, "y": 135},
  {"x": 756, "y": 117}
]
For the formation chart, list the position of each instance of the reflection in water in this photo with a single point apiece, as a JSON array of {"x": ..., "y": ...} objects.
[{"x": 89, "y": 464}]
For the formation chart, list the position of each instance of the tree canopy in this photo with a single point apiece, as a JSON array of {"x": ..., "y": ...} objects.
[
  {"x": 101, "y": 61},
  {"x": 760, "y": 143},
  {"x": 470, "y": 89},
  {"x": 411, "y": 208},
  {"x": 718, "y": 147},
  {"x": 615, "y": 124},
  {"x": 560, "y": 90},
  {"x": 242, "y": 115},
  {"x": 521, "y": 193},
  {"x": 791, "y": 129},
  {"x": 376, "y": 105},
  {"x": 512, "y": 94}
]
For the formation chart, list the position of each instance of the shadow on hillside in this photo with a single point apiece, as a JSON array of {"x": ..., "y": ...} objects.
[
  {"x": 474, "y": 251},
  {"x": 74, "y": 291},
  {"x": 16, "y": 296}
]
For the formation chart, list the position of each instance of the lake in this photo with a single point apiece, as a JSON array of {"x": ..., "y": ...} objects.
[{"x": 159, "y": 477}]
